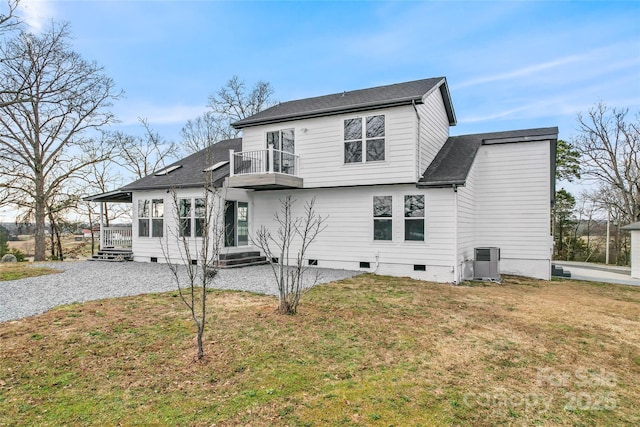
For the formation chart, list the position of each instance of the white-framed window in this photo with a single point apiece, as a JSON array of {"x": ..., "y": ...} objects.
[
  {"x": 414, "y": 217},
  {"x": 192, "y": 217},
  {"x": 150, "y": 218},
  {"x": 364, "y": 139},
  {"x": 382, "y": 218}
]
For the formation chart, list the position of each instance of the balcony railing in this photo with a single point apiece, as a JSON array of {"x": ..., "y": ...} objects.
[
  {"x": 115, "y": 237},
  {"x": 263, "y": 162}
]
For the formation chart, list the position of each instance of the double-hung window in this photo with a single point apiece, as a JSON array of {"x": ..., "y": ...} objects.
[
  {"x": 364, "y": 139},
  {"x": 150, "y": 218},
  {"x": 382, "y": 218},
  {"x": 414, "y": 217},
  {"x": 192, "y": 217}
]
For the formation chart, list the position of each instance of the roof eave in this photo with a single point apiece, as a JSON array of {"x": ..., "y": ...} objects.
[{"x": 329, "y": 112}]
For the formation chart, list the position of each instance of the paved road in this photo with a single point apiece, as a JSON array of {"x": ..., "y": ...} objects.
[{"x": 599, "y": 272}]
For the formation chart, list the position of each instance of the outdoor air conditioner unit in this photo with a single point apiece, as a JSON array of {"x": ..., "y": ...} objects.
[{"x": 486, "y": 264}]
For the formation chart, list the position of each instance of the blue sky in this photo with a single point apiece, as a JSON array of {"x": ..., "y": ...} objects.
[{"x": 509, "y": 64}]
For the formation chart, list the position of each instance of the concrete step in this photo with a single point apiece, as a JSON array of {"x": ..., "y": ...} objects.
[
  {"x": 242, "y": 262},
  {"x": 113, "y": 255},
  {"x": 237, "y": 255}
]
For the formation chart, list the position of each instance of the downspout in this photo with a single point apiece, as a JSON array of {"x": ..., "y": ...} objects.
[
  {"x": 456, "y": 270},
  {"x": 419, "y": 157}
]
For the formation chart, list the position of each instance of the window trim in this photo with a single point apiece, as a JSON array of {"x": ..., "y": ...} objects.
[
  {"x": 384, "y": 218},
  {"x": 150, "y": 218},
  {"x": 364, "y": 140},
  {"x": 422, "y": 218},
  {"x": 193, "y": 218}
]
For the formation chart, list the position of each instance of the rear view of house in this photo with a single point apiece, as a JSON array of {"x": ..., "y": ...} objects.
[{"x": 401, "y": 195}]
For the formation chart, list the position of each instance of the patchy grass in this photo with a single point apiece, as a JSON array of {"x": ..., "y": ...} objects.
[
  {"x": 22, "y": 270},
  {"x": 366, "y": 351}
]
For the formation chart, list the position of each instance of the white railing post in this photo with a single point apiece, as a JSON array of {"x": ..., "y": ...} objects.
[
  {"x": 231, "y": 162},
  {"x": 101, "y": 245},
  {"x": 270, "y": 159}
]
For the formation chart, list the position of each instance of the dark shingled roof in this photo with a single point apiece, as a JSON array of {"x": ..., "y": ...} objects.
[
  {"x": 632, "y": 226},
  {"x": 352, "y": 101},
  {"x": 191, "y": 171},
  {"x": 453, "y": 162}
]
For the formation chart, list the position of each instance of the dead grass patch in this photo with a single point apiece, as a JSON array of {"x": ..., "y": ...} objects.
[
  {"x": 22, "y": 270},
  {"x": 370, "y": 350}
]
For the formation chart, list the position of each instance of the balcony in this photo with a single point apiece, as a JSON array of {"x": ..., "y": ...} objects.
[{"x": 268, "y": 169}]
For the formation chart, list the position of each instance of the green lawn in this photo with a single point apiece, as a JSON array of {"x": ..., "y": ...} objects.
[{"x": 367, "y": 351}]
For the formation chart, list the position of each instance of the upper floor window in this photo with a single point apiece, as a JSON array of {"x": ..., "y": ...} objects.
[
  {"x": 414, "y": 217},
  {"x": 192, "y": 217},
  {"x": 364, "y": 139},
  {"x": 150, "y": 218}
]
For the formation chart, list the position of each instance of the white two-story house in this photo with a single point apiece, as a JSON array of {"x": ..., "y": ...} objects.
[{"x": 402, "y": 197}]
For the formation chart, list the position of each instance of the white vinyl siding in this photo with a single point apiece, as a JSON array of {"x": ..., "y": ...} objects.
[
  {"x": 144, "y": 248},
  {"x": 348, "y": 238},
  {"x": 635, "y": 254},
  {"x": 511, "y": 205},
  {"x": 433, "y": 130},
  {"x": 320, "y": 145}
]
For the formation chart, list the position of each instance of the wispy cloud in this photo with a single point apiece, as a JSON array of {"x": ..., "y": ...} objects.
[
  {"x": 521, "y": 72},
  {"x": 37, "y": 14},
  {"x": 157, "y": 114}
]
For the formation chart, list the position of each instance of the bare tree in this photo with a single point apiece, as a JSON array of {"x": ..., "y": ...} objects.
[
  {"x": 290, "y": 243},
  {"x": 231, "y": 103},
  {"x": 192, "y": 248},
  {"x": 205, "y": 130},
  {"x": 610, "y": 150},
  {"x": 9, "y": 21},
  {"x": 41, "y": 140},
  {"x": 141, "y": 156}
]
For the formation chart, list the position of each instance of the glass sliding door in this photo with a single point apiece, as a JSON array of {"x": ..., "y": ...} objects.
[{"x": 236, "y": 223}]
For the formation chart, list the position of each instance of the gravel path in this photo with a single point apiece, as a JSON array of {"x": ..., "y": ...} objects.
[{"x": 83, "y": 281}]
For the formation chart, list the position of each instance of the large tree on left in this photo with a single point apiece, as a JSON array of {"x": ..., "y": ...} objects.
[{"x": 42, "y": 138}]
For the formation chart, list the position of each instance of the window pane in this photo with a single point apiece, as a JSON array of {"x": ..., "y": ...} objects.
[
  {"x": 199, "y": 227},
  {"x": 414, "y": 206},
  {"x": 414, "y": 229},
  {"x": 375, "y": 150},
  {"x": 375, "y": 126},
  {"x": 353, "y": 152},
  {"x": 185, "y": 227},
  {"x": 352, "y": 129},
  {"x": 143, "y": 228},
  {"x": 273, "y": 138},
  {"x": 143, "y": 209},
  {"x": 382, "y": 206},
  {"x": 382, "y": 229},
  {"x": 184, "y": 208},
  {"x": 288, "y": 143},
  {"x": 200, "y": 208},
  {"x": 157, "y": 229},
  {"x": 157, "y": 208}
]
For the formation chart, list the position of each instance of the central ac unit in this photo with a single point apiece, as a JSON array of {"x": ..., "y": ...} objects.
[{"x": 486, "y": 264}]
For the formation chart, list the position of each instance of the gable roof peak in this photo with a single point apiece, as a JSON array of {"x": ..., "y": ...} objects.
[{"x": 352, "y": 101}]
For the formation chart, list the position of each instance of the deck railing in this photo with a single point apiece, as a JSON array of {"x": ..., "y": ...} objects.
[
  {"x": 263, "y": 161},
  {"x": 115, "y": 237}
]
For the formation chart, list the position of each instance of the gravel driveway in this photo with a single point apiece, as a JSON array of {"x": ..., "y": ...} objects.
[{"x": 83, "y": 281}]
